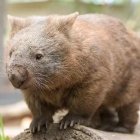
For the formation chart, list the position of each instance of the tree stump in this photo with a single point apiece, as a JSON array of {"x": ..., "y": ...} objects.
[{"x": 54, "y": 133}]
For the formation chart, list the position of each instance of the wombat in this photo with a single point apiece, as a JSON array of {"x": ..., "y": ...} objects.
[{"x": 77, "y": 62}]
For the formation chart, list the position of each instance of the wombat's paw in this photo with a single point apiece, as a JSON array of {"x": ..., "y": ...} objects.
[
  {"x": 122, "y": 129},
  {"x": 37, "y": 123},
  {"x": 119, "y": 129},
  {"x": 70, "y": 121}
]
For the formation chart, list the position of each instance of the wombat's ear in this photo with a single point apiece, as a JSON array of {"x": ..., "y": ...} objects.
[
  {"x": 66, "y": 22},
  {"x": 16, "y": 24},
  {"x": 63, "y": 23}
]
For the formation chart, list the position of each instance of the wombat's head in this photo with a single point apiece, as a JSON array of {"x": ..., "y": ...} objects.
[{"x": 40, "y": 51}]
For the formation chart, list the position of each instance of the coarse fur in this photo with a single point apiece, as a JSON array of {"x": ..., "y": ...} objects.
[{"x": 82, "y": 63}]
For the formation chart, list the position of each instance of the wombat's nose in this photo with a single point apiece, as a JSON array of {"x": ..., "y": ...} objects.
[{"x": 18, "y": 76}]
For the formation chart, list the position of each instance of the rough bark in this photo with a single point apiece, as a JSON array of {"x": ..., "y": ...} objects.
[{"x": 53, "y": 133}]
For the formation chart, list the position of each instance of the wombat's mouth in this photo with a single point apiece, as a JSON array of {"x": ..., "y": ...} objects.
[
  {"x": 24, "y": 85},
  {"x": 28, "y": 84}
]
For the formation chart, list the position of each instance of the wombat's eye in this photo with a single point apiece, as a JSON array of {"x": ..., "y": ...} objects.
[{"x": 39, "y": 56}]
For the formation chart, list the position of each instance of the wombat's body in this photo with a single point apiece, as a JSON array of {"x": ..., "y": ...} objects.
[{"x": 81, "y": 63}]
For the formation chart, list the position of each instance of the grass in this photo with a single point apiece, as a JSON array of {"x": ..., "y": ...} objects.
[{"x": 2, "y": 134}]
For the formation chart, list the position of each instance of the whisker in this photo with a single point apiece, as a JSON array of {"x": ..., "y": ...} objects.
[
  {"x": 38, "y": 87},
  {"x": 41, "y": 83},
  {"x": 43, "y": 77}
]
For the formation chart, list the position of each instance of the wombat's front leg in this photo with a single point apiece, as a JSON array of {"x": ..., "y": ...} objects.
[
  {"x": 42, "y": 115},
  {"x": 82, "y": 107},
  {"x": 85, "y": 99}
]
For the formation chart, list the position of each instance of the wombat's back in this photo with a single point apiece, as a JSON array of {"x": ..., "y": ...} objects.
[{"x": 109, "y": 33}]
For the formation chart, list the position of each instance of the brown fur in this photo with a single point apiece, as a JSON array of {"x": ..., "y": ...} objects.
[{"x": 99, "y": 66}]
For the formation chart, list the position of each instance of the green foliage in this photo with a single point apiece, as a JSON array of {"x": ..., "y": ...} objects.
[{"x": 2, "y": 135}]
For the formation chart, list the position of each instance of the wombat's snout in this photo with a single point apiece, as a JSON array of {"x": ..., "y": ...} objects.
[{"x": 18, "y": 76}]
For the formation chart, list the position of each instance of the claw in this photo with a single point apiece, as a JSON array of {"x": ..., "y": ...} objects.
[
  {"x": 33, "y": 130},
  {"x": 70, "y": 121},
  {"x": 61, "y": 125},
  {"x": 79, "y": 122},
  {"x": 37, "y": 124},
  {"x": 66, "y": 124},
  {"x": 38, "y": 128},
  {"x": 46, "y": 125}
]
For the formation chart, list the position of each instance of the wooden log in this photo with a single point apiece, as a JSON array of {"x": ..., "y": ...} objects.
[{"x": 54, "y": 133}]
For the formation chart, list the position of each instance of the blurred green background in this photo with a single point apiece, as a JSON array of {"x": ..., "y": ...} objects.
[{"x": 127, "y": 10}]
